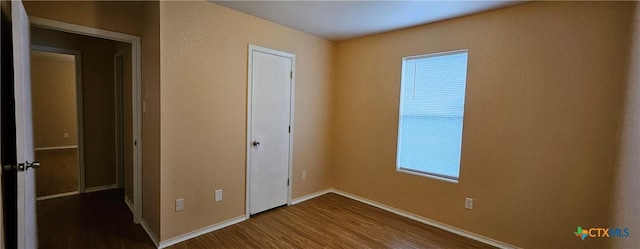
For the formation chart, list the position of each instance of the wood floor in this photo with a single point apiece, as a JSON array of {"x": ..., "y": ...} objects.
[
  {"x": 329, "y": 221},
  {"x": 102, "y": 220},
  {"x": 93, "y": 220}
]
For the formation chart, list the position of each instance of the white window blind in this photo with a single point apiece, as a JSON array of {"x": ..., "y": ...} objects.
[{"x": 431, "y": 114}]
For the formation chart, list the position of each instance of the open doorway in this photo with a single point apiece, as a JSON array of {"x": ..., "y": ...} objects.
[
  {"x": 107, "y": 101},
  {"x": 56, "y": 103},
  {"x": 102, "y": 118}
]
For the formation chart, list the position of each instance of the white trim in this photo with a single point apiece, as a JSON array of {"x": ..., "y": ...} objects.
[
  {"x": 202, "y": 231},
  {"x": 253, "y": 48},
  {"x": 81, "y": 30},
  {"x": 436, "y": 54},
  {"x": 429, "y": 222},
  {"x": 128, "y": 202},
  {"x": 310, "y": 196},
  {"x": 307, "y": 197},
  {"x": 56, "y": 148},
  {"x": 152, "y": 236},
  {"x": 291, "y": 121},
  {"x": 136, "y": 116},
  {"x": 79, "y": 106},
  {"x": 100, "y": 188},
  {"x": 135, "y": 87},
  {"x": 42, "y": 198},
  {"x": 247, "y": 211}
]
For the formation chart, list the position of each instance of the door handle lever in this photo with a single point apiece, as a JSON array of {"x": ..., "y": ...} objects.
[
  {"x": 21, "y": 166},
  {"x": 27, "y": 165}
]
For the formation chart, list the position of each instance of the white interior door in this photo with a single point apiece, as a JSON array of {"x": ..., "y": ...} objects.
[
  {"x": 27, "y": 229},
  {"x": 271, "y": 78}
]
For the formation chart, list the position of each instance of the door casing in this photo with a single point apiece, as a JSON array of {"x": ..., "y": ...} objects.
[{"x": 249, "y": 141}]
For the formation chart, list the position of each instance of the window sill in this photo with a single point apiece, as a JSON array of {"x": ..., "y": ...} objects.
[{"x": 411, "y": 172}]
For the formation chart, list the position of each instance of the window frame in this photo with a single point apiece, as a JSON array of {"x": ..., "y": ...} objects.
[{"x": 402, "y": 78}]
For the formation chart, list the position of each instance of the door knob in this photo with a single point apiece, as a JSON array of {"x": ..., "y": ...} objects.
[{"x": 256, "y": 143}]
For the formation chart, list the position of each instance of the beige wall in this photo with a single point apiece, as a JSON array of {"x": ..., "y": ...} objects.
[
  {"x": 204, "y": 94},
  {"x": 59, "y": 173},
  {"x": 53, "y": 89},
  {"x": 625, "y": 199},
  {"x": 151, "y": 117},
  {"x": 543, "y": 105},
  {"x": 140, "y": 19}
]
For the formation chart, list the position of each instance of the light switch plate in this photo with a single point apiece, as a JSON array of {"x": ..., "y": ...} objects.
[{"x": 179, "y": 204}]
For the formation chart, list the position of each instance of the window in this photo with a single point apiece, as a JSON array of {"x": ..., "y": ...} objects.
[{"x": 431, "y": 114}]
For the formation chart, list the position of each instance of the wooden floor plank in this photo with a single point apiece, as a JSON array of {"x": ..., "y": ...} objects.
[
  {"x": 93, "y": 220},
  {"x": 102, "y": 220},
  {"x": 329, "y": 221}
]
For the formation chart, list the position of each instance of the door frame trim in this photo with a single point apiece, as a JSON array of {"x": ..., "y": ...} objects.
[
  {"x": 254, "y": 48},
  {"x": 79, "y": 106},
  {"x": 136, "y": 79}
]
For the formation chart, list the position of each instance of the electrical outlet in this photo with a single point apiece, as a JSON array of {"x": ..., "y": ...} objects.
[
  {"x": 304, "y": 175},
  {"x": 218, "y": 195},
  {"x": 66, "y": 135},
  {"x": 179, "y": 204},
  {"x": 468, "y": 203}
]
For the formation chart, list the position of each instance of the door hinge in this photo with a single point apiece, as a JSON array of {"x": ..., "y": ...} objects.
[
  {"x": 288, "y": 182},
  {"x": 289, "y": 128},
  {"x": 290, "y": 74},
  {"x": 8, "y": 167},
  {"x": 135, "y": 143}
]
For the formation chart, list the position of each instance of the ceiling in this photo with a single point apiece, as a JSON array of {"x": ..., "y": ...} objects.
[{"x": 341, "y": 20}]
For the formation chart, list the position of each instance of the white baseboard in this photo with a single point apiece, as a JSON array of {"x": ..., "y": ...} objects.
[
  {"x": 129, "y": 203},
  {"x": 429, "y": 222},
  {"x": 310, "y": 196},
  {"x": 152, "y": 236},
  {"x": 298, "y": 200},
  {"x": 202, "y": 231},
  {"x": 100, "y": 188},
  {"x": 56, "y": 195}
]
